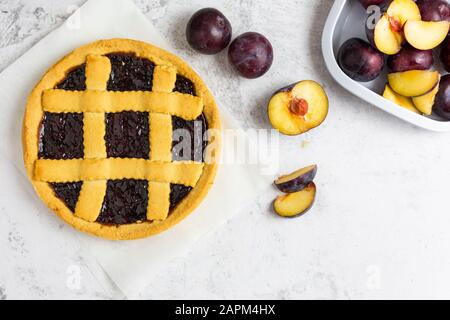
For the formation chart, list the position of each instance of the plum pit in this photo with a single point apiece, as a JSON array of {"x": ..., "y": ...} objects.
[
  {"x": 288, "y": 106},
  {"x": 298, "y": 106}
]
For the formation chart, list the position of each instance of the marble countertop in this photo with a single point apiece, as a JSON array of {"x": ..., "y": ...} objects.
[{"x": 380, "y": 226}]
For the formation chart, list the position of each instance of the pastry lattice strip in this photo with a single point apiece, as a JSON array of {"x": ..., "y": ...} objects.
[
  {"x": 90, "y": 200},
  {"x": 179, "y": 172},
  {"x": 95, "y": 169},
  {"x": 174, "y": 103}
]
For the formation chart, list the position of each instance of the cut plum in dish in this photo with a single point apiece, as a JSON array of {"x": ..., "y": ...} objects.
[
  {"x": 403, "y": 10},
  {"x": 388, "y": 34},
  {"x": 426, "y": 35},
  {"x": 413, "y": 83},
  {"x": 296, "y": 181},
  {"x": 388, "y": 39},
  {"x": 425, "y": 102},
  {"x": 399, "y": 100}
]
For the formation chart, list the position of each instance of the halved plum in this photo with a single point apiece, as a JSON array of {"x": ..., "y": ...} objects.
[
  {"x": 296, "y": 181},
  {"x": 413, "y": 83},
  {"x": 298, "y": 108},
  {"x": 295, "y": 204},
  {"x": 399, "y": 100}
]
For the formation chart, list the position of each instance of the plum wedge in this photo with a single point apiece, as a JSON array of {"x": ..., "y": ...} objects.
[
  {"x": 425, "y": 102},
  {"x": 413, "y": 83},
  {"x": 388, "y": 34},
  {"x": 399, "y": 100},
  {"x": 296, "y": 181},
  {"x": 426, "y": 35},
  {"x": 388, "y": 39},
  {"x": 402, "y": 11},
  {"x": 295, "y": 204}
]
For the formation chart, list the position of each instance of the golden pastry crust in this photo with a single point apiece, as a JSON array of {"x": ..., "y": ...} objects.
[{"x": 34, "y": 112}]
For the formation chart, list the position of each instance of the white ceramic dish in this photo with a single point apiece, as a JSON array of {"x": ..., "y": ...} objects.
[{"x": 346, "y": 20}]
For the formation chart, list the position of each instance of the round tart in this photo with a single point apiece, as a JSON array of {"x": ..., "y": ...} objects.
[{"x": 119, "y": 139}]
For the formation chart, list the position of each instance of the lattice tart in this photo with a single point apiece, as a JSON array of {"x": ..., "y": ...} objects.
[{"x": 117, "y": 139}]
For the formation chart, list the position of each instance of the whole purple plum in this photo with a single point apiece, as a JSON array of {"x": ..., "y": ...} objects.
[
  {"x": 442, "y": 102},
  {"x": 360, "y": 60},
  {"x": 410, "y": 58},
  {"x": 208, "y": 31},
  {"x": 434, "y": 10},
  {"x": 251, "y": 54}
]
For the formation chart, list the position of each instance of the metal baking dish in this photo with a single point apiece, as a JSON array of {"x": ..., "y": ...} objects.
[{"x": 346, "y": 20}]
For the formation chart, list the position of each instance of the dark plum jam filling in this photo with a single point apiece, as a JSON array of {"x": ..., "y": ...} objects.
[
  {"x": 68, "y": 192},
  {"x": 74, "y": 80},
  {"x": 125, "y": 202},
  {"x": 129, "y": 73},
  {"x": 127, "y": 136},
  {"x": 61, "y": 136}
]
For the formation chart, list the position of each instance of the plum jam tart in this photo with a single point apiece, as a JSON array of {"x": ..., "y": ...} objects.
[{"x": 115, "y": 136}]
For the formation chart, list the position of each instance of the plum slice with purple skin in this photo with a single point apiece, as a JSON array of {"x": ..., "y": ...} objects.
[
  {"x": 295, "y": 204},
  {"x": 296, "y": 181},
  {"x": 251, "y": 54}
]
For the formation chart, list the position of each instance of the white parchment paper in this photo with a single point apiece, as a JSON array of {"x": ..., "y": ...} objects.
[{"x": 235, "y": 185}]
